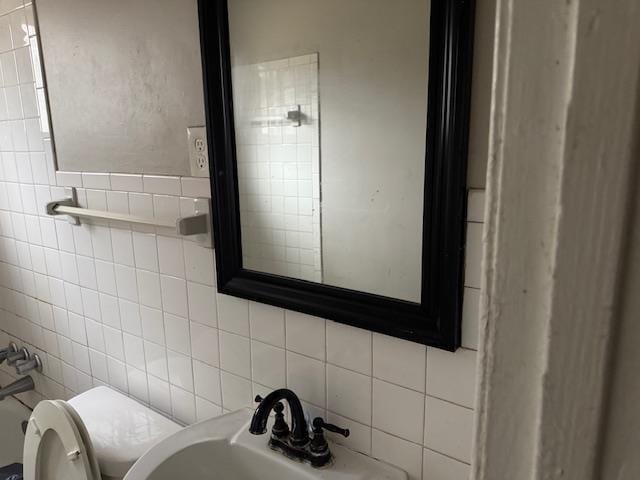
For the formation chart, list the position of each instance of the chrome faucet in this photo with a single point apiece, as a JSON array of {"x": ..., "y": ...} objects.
[
  {"x": 32, "y": 363},
  {"x": 21, "y": 385},
  {"x": 5, "y": 352},
  {"x": 16, "y": 356},
  {"x": 294, "y": 443}
]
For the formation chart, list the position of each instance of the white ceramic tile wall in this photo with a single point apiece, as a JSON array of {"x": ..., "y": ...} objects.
[
  {"x": 279, "y": 166},
  {"x": 137, "y": 309}
]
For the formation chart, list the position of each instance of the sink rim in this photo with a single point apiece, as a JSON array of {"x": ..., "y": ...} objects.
[{"x": 233, "y": 428}]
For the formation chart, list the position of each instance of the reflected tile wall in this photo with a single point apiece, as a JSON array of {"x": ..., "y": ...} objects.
[
  {"x": 279, "y": 166},
  {"x": 137, "y": 308}
]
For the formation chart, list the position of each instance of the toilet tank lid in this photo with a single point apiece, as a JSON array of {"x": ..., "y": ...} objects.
[{"x": 120, "y": 428}]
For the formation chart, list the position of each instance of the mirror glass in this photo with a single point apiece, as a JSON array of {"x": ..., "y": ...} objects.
[
  {"x": 330, "y": 106},
  {"x": 124, "y": 82}
]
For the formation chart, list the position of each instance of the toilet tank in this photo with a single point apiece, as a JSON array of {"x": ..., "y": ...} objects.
[{"x": 120, "y": 428}]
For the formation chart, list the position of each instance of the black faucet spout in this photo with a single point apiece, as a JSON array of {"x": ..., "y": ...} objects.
[{"x": 299, "y": 430}]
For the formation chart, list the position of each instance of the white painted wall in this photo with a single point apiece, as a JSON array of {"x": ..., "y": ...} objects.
[
  {"x": 124, "y": 81},
  {"x": 621, "y": 432},
  {"x": 561, "y": 174}
]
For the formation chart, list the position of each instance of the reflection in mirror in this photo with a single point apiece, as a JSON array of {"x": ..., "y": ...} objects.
[{"x": 330, "y": 105}]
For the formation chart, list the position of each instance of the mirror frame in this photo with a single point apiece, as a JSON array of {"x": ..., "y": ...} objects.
[{"x": 436, "y": 320}]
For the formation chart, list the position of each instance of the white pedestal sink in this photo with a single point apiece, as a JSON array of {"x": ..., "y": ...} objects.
[{"x": 223, "y": 449}]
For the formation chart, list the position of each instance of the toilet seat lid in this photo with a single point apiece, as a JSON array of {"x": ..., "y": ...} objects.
[{"x": 57, "y": 445}]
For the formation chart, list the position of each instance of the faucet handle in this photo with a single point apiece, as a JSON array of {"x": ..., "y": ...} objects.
[
  {"x": 22, "y": 354},
  {"x": 9, "y": 349},
  {"x": 25, "y": 366},
  {"x": 319, "y": 424},
  {"x": 319, "y": 446}
]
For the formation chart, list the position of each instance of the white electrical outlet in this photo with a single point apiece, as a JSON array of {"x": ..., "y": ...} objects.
[{"x": 198, "y": 151}]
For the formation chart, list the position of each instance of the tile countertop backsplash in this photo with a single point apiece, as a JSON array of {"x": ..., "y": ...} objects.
[{"x": 137, "y": 309}]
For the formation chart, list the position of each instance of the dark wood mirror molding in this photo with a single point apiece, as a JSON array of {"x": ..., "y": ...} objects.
[{"x": 436, "y": 320}]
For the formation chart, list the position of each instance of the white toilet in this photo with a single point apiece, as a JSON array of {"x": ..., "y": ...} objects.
[{"x": 97, "y": 435}]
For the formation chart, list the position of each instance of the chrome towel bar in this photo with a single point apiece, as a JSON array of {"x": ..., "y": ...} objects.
[{"x": 193, "y": 225}]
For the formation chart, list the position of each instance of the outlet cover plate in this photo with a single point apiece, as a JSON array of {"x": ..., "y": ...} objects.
[{"x": 198, "y": 151}]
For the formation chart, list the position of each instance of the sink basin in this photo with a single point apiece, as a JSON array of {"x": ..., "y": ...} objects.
[{"x": 223, "y": 449}]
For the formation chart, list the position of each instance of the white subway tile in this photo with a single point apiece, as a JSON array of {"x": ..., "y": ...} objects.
[
  {"x": 72, "y": 297},
  {"x": 171, "y": 256},
  {"x": 117, "y": 202},
  {"x": 65, "y": 236},
  {"x": 436, "y": 466},
  {"x": 349, "y": 394},
  {"x": 359, "y": 438},
  {"x": 126, "y": 282},
  {"x": 137, "y": 380},
  {"x": 235, "y": 354},
  {"x": 91, "y": 304},
  {"x": 126, "y": 182},
  {"x": 204, "y": 343},
  {"x": 267, "y": 323},
  {"x": 152, "y": 325},
  {"x": 451, "y": 376},
  {"x": 473, "y": 255},
  {"x": 109, "y": 310},
  {"x": 156, "y": 360},
  {"x": 306, "y": 376},
  {"x": 69, "y": 267},
  {"x": 202, "y": 304},
  {"x": 236, "y": 391},
  {"x": 96, "y": 180},
  {"x": 397, "y": 451},
  {"x": 159, "y": 395},
  {"x": 113, "y": 343},
  {"x": 161, "y": 184},
  {"x": 399, "y": 361},
  {"x": 130, "y": 317},
  {"x": 206, "y": 409},
  {"x": 233, "y": 314},
  {"x": 177, "y": 332},
  {"x": 141, "y": 205},
  {"x": 349, "y": 347},
  {"x": 408, "y": 419},
  {"x": 305, "y": 334},
  {"x": 77, "y": 331},
  {"x": 146, "y": 251},
  {"x": 133, "y": 351},
  {"x": 81, "y": 237},
  {"x": 268, "y": 365},
  {"x": 470, "y": 318},
  {"x": 67, "y": 179},
  {"x": 198, "y": 263},
  {"x": 207, "y": 382},
  {"x": 195, "y": 187},
  {"x": 174, "y": 295},
  {"x": 180, "y": 371},
  {"x": 99, "y": 365},
  {"x": 166, "y": 207},
  {"x": 448, "y": 429},
  {"x": 122, "y": 247},
  {"x": 475, "y": 207},
  {"x": 183, "y": 405},
  {"x": 101, "y": 241},
  {"x": 95, "y": 337},
  {"x": 149, "y": 288},
  {"x": 106, "y": 277}
]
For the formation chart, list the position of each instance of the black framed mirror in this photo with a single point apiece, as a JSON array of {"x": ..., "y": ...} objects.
[{"x": 337, "y": 134}]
